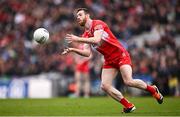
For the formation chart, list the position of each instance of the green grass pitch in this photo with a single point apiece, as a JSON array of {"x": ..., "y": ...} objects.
[{"x": 95, "y": 106}]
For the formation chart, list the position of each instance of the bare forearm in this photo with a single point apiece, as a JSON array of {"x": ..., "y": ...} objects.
[
  {"x": 80, "y": 52},
  {"x": 91, "y": 40}
]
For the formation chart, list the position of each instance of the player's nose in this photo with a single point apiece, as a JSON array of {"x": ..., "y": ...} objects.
[{"x": 78, "y": 19}]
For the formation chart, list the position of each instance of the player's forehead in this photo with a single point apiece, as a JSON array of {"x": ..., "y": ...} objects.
[{"x": 80, "y": 12}]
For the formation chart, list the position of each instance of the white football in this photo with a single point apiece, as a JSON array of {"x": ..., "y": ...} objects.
[{"x": 41, "y": 35}]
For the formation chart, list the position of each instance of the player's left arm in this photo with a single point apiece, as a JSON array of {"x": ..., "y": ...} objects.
[
  {"x": 91, "y": 40},
  {"x": 86, "y": 51}
]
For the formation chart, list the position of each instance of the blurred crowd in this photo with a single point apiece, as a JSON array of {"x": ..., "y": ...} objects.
[{"x": 158, "y": 57}]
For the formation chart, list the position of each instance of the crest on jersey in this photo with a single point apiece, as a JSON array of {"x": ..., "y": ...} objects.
[{"x": 97, "y": 27}]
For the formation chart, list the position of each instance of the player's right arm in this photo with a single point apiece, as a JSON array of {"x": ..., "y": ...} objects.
[{"x": 86, "y": 51}]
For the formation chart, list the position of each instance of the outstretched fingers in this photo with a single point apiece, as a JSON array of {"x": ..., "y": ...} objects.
[{"x": 66, "y": 50}]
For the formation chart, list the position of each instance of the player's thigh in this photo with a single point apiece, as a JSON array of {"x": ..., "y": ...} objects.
[
  {"x": 108, "y": 75},
  {"x": 126, "y": 72}
]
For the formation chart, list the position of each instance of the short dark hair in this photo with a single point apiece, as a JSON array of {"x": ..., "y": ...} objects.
[{"x": 86, "y": 11}]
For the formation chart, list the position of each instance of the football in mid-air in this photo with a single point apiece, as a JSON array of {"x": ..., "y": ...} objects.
[{"x": 41, "y": 35}]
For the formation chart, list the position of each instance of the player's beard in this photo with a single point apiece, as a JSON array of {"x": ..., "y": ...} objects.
[{"x": 83, "y": 22}]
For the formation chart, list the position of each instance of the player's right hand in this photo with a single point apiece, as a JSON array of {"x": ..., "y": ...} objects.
[{"x": 71, "y": 38}]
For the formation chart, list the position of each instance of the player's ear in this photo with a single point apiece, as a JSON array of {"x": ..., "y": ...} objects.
[{"x": 87, "y": 15}]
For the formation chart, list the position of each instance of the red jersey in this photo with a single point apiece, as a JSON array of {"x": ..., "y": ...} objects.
[{"x": 109, "y": 45}]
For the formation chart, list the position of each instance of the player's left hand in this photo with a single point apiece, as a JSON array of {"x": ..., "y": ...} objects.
[
  {"x": 66, "y": 51},
  {"x": 70, "y": 38}
]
